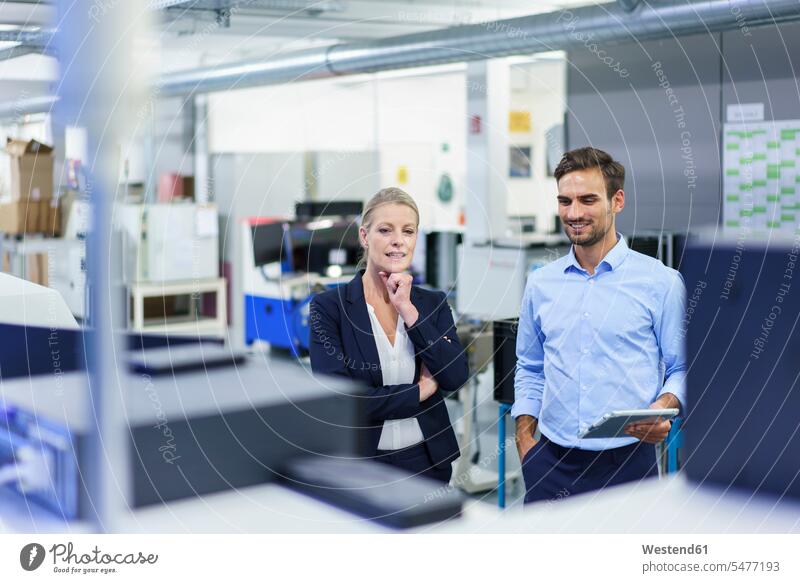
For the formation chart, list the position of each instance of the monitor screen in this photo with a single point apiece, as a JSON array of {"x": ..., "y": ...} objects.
[
  {"x": 314, "y": 250},
  {"x": 268, "y": 242},
  {"x": 314, "y": 210},
  {"x": 650, "y": 246}
]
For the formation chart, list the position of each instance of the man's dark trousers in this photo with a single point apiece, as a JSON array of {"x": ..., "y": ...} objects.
[{"x": 553, "y": 472}]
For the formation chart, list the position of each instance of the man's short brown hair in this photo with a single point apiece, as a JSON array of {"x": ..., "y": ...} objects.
[{"x": 585, "y": 158}]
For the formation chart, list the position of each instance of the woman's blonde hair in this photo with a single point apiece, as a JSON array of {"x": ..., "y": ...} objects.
[{"x": 391, "y": 195}]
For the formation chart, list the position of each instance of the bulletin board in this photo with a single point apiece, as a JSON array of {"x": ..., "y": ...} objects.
[{"x": 760, "y": 177}]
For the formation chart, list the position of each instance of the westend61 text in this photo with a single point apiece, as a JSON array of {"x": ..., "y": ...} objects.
[{"x": 673, "y": 550}]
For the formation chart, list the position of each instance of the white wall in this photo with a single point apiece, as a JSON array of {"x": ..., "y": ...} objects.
[
  {"x": 406, "y": 117},
  {"x": 406, "y": 120},
  {"x": 540, "y": 88},
  {"x": 417, "y": 118},
  {"x": 302, "y": 117}
]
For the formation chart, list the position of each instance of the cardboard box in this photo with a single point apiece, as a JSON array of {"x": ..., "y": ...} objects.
[
  {"x": 31, "y": 170},
  {"x": 50, "y": 218},
  {"x": 19, "y": 217},
  {"x": 36, "y": 268},
  {"x": 30, "y": 216}
]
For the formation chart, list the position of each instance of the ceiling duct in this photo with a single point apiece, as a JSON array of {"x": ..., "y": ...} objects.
[
  {"x": 628, "y": 5},
  {"x": 20, "y": 51},
  {"x": 562, "y": 30},
  {"x": 27, "y": 36},
  {"x": 19, "y": 108}
]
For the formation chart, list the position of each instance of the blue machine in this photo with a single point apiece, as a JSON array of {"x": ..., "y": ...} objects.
[
  {"x": 743, "y": 341},
  {"x": 285, "y": 264},
  {"x": 41, "y": 369}
]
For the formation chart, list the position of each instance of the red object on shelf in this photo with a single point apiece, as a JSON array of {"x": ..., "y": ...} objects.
[
  {"x": 475, "y": 124},
  {"x": 172, "y": 185}
]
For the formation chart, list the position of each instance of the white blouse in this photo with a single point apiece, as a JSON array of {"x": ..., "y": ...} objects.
[{"x": 398, "y": 367}]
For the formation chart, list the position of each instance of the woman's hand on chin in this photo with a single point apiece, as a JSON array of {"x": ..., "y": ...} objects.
[{"x": 399, "y": 287}]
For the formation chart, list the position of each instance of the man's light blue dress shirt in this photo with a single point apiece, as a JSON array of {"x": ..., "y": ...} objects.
[{"x": 591, "y": 344}]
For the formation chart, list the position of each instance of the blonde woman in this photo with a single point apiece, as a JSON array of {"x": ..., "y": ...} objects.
[{"x": 398, "y": 338}]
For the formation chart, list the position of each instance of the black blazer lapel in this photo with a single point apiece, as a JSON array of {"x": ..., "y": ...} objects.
[{"x": 362, "y": 329}]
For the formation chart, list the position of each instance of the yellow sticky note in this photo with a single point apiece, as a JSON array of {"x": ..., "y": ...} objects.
[
  {"x": 402, "y": 175},
  {"x": 519, "y": 121}
]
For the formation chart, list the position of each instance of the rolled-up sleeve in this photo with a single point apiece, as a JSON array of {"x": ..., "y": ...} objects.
[
  {"x": 671, "y": 338},
  {"x": 529, "y": 374}
]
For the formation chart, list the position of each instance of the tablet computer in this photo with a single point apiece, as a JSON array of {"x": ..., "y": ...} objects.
[{"x": 613, "y": 424}]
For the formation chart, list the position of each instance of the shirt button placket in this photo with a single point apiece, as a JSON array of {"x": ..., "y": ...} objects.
[{"x": 585, "y": 340}]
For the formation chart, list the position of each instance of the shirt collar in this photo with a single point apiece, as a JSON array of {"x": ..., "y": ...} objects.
[{"x": 612, "y": 260}]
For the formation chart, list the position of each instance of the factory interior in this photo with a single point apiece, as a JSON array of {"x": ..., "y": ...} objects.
[{"x": 183, "y": 183}]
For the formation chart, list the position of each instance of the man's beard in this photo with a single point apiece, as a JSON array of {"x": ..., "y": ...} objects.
[{"x": 591, "y": 235}]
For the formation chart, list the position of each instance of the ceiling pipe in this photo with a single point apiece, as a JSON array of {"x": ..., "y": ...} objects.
[
  {"x": 561, "y": 30},
  {"x": 19, "y": 108},
  {"x": 28, "y": 37},
  {"x": 628, "y": 5},
  {"x": 20, "y": 51}
]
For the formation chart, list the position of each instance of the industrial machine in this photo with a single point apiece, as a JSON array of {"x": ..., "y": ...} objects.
[
  {"x": 492, "y": 277},
  {"x": 67, "y": 259},
  {"x": 662, "y": 245},
  {"x": 29, "y": 304},
  {"x": 38, "y": 456},
  {"x": 171, "y": 266},
  {"x": 505, "y": 359},
  {"x": 285, "y": 263},
  {"x": 470, "y": 476},
  {"x": 191, "y": 433},
  {"x": 169, "y": 242},
  {"x": 743, "y": 341},
  {"x": 441, "y": 257}
]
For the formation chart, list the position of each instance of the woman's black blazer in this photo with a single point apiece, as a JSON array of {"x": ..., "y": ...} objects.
[{"x": 342, "y": 344}]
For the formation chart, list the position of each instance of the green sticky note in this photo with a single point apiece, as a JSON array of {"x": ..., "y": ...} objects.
[
  {"x": 773, "y": 173},
  {"x": 759, "y": 209},
  {"x": 772, "y": 198},
  {"x": 732, "y": 146},
  {"x": 787, "y": 190},
  {"x": 759, "y": 156},
  {"x": 787, "y": 134},
  {"x": 731, "y": 223},
  {"x": 773, "y": 145},
  {"x": 732, "y": 198},
  {"x": 759, "y": 182},
  {"x": 788, "y": 218},
  {"x": 745, "y": 213},
  {"x": 773, "y": 224},
  {"x": 732, "y": 172},
  {"x": 787, "y": 163},
  {"x": 746, "y": 186}
]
